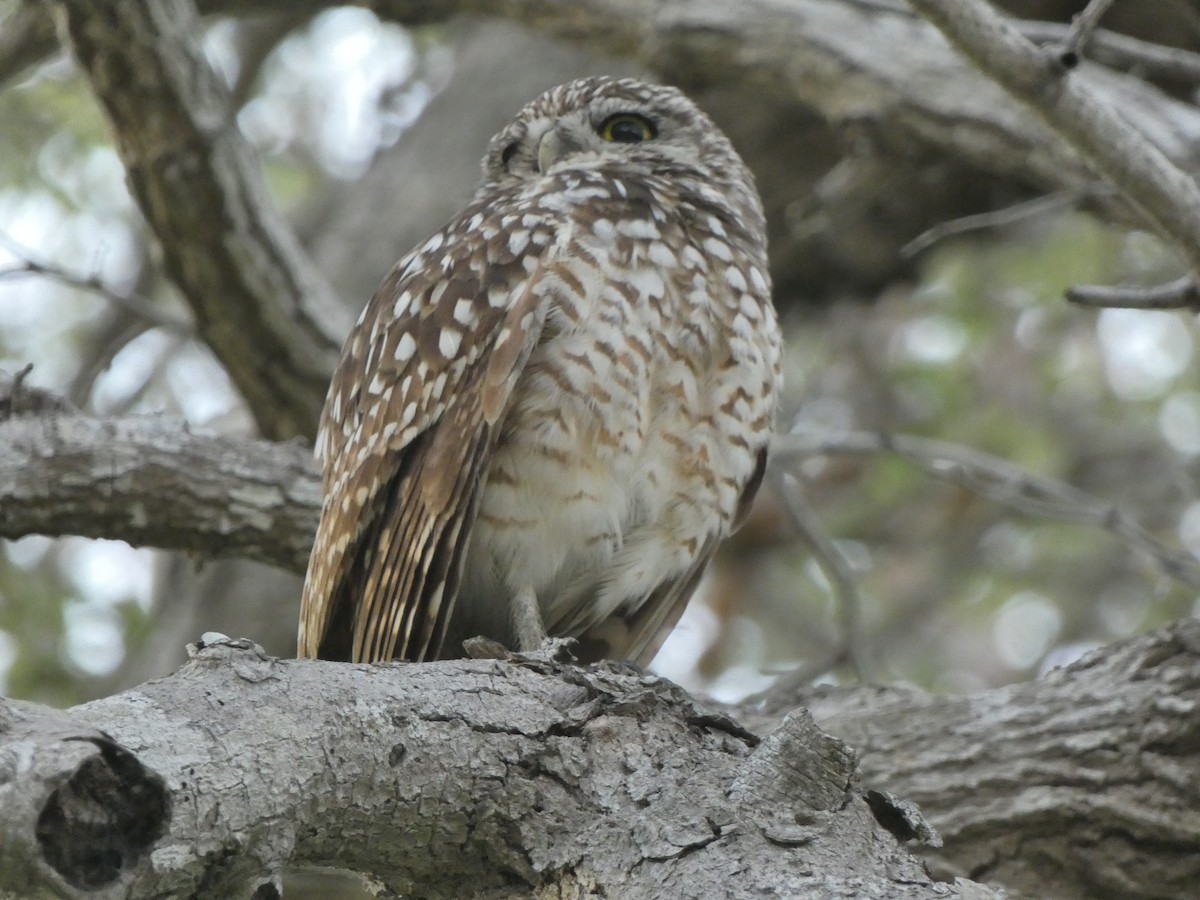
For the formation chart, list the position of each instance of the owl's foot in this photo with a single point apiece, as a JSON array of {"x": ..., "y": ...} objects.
[
  {"x": 480, "y": 647},
  {"x": 533, "y": 644},
  {"x": 552, "y": 650}
]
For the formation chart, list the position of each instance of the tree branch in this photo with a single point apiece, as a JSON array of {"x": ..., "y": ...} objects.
[
  {"x": 535, "y": 774},
  {"x": 1182, "y": 293},
  {"x": 882, "y": 79},
  {"x": 1078, "y": 785},
  {"x": 1082, "y": 31},
  {"x": 266, "y": 312},
  {"x": 470, "y": 778},
  {"x": 139, "y": 307},
  {"x": 999, "y": 480},
  {"x": 62, "y": 472},
  {"x": 151, "y": 480},
  {"x": 1167, "y": 196},
  {"x": 26, "y": 38},
  {"x": 1121, "y": 51}
]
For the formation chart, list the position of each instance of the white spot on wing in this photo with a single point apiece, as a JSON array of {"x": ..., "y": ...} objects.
[
  {"x": 464, "y": 311},
  {"x": 405, "y": 348},
  {"x": 449, "y": 341},
  {"x": 660, "y": 255},
  {"x": 642, "y": 229}
]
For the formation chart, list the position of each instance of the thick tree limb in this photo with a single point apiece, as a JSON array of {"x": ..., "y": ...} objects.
[
  {"x": 1081, "y": 784},
  {"x": 473, "y": 776},
  {"x": 150, "y": 480},
  {"x": 260, "y": 305},
  {"x": 468, "y": 778}
]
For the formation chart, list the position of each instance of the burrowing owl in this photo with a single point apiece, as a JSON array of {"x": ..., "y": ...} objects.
[{"x": 560, "y": 403}]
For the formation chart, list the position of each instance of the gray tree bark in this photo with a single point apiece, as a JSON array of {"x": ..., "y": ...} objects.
[
  {"x": 469, "y": 778},
  {"x": 497, "y": 778},
  {"x": 1084, "y": 783}
]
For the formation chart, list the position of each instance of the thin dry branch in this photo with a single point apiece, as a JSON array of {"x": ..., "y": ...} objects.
[
  {"x": 837, "y": 569},
  {"x": 1082, "y": 31},
  {"x": 1182, "y": 293},
  {"x": 998, "y": 479},
  {"x": 1109, "y": 48},
  {"x": 139, "y": 307},
  {"x": 1120, "y": 51},
  {"x": 999, "y": 218}
]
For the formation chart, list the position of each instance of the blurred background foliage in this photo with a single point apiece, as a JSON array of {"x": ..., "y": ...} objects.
[{"x": 975, "y": 346}]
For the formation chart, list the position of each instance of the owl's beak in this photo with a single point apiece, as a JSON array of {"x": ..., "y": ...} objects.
[{"x": 554, "y": 145}]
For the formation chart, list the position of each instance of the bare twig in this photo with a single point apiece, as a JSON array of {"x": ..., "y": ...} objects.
[
  {"x": 1083, "y": 27},
  {"x": 1182, "y": 293},
  {"x": 993, "y": 219},
  {"x": 1145, "y": 176},
  {"x": 141, "y": 307},
  {"x": 1109, "y": 48},
  {"x": 998, "y": 479},
  {"x": 1121, "y": 51},
  {"x": 834, "y": 564}
]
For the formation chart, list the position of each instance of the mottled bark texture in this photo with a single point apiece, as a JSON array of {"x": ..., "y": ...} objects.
[
  {"x": 1084, "y": 783},
  {"x": 491, "y": 778},
  {"x": 468, "y": 778}
]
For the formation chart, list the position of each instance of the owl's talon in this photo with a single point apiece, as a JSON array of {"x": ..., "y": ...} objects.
[
  {"x": 552, "y": 650},
  {"x": 480, "y": 647}
]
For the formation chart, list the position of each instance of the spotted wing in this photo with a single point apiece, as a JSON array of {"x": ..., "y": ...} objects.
[{"x": 409, "y": 425}]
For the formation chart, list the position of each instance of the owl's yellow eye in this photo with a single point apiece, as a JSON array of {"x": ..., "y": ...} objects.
[{"x": 627, "y": 128}]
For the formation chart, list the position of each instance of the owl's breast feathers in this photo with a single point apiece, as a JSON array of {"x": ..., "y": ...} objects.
[{"x": 639, "y": 420}]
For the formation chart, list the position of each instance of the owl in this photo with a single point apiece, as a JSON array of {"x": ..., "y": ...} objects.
[{"x": 552, "y": 411}]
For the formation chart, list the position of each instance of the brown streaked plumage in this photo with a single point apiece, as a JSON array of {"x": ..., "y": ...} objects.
[{"x": 565, "y": 394}]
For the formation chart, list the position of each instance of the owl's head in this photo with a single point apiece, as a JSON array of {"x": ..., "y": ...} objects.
[{"x": 621, "y": 124}]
